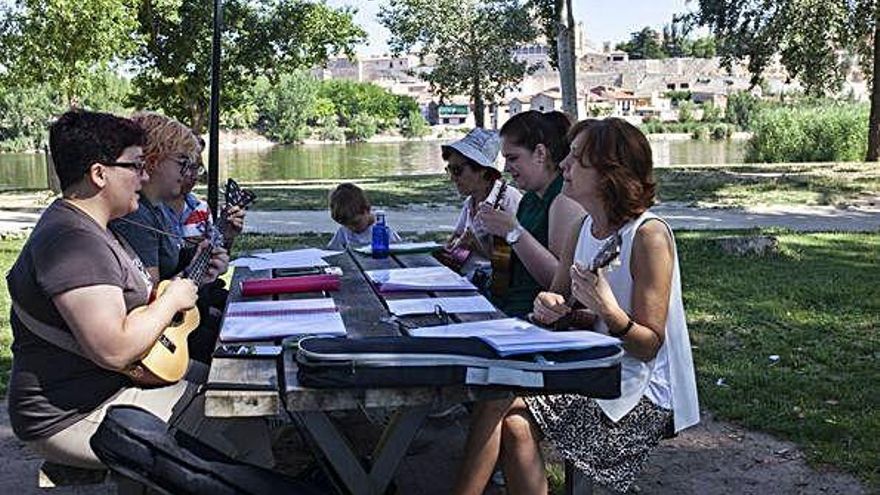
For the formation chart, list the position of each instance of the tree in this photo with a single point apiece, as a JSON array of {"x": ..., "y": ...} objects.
[
  {"x": 69, "y": 45},
  {"x": 807, "y": 36},
  {"x": 470, "y": 41},
  {"x": 260, "y": 38},
  {"x": 557, "y": 23},
  {"x": 644, "y": 44}
]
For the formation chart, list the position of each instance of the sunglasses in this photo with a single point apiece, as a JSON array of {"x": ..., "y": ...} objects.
[
  {"x": 137, "y": 166},
  {"x": 454, "y": 170}
]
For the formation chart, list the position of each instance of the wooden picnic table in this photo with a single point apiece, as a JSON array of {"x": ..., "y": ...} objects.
[{"x": 265, "y": 387}]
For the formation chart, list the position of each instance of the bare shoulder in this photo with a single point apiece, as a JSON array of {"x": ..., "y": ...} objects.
[
  {"x": 565, "y": 207},
  {"x": 653, "y": 237}
]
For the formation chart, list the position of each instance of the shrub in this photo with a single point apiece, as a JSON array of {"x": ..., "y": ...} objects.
[
  {"x": 362, "y": 127},
  {"x": 414, "y": 125},
  {"x": 329, "y": 130},
  {"x": 821, "y": 132},
  {"x": 741, "y": 107}
]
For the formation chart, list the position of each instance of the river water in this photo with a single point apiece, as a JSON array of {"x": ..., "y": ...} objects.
[{"x": 344, "y": 161}]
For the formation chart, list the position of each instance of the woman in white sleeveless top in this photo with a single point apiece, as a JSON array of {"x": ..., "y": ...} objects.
[{"x": 609, "y": 172}]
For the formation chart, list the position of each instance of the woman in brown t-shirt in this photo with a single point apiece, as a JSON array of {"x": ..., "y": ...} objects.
[{"x": 72, "y": 276}]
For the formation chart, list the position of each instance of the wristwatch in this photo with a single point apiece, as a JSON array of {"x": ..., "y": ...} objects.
[{"x": 513, "y": 236}]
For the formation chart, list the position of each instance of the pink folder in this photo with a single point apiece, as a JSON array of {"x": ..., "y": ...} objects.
[{"x": 286, "y": 285}]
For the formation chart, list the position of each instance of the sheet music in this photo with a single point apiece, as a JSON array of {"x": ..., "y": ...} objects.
[
  {"x": 468, "y": 304},
  {"x": 297, "y": 258},
  {"x": 272, "y": 320},
  {"x": 433, "y": 278},
  {"x": 511, "y": 336}
]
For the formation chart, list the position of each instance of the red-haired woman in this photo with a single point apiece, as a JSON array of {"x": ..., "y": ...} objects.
[{"x": 609, "y": 171}]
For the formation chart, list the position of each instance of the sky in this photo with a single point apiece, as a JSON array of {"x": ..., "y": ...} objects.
[{"x": 603, "y": 20}]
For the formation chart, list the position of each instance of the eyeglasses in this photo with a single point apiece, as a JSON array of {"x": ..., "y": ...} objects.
[
  {"x": 137, "y": 166},
  {"x": 454, "y": 170},
  {"x": 188, "y": 166}
]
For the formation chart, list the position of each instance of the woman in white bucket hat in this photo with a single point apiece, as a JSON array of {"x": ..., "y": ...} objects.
[{"x": 471, "y": 163}]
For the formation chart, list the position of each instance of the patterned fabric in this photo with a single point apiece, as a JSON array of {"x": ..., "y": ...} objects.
[{"x": 611, "y": 454}]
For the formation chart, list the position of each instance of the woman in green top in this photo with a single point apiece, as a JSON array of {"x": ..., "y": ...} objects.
[{"x": 533, "y": 144}]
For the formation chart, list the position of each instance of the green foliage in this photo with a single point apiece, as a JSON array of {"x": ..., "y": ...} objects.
[
  {"x": 806, "y": 35},
  {"x": 329, "y": 130},
  {"x": 110, "y": 94},
  {"x": 351, "y": 99},
  {"x": 287, "y": 106},
  {"x": 261, "y": 37},
  {"x": 686, "y": 111},
  {"x": 823, "y": 132},
  {"x": 67, "y": 44},
  {"x": 711, "y": 113},
  {"x": 741, "y": 106},
  {"x": 644, "y": 44},
  {"x": 25, "y": 114},
  {"x": 471, "y": 41},
  {"x": 414, "y": 125},
  {"x": 678, "y": 96},
  {"x": 362, "y": 127}
]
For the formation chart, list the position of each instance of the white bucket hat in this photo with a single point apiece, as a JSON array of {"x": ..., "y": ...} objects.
[{"x": 480, "y": 145}]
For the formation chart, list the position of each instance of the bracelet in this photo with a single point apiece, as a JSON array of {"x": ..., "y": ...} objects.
[{"x": 621, "y": 333}]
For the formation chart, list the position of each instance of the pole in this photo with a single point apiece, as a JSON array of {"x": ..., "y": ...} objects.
[{"x": 214, "y": 123}]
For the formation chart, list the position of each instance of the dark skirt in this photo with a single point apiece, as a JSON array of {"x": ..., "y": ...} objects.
[{"x": 609, "y": 453}]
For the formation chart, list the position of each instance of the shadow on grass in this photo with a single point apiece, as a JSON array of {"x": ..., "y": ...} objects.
[{"x": 815, "y": 305}]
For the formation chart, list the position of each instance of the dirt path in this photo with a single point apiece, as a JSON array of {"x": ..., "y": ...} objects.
[{"x": 713, "y": 458}]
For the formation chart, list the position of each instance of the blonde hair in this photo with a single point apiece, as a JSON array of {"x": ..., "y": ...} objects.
[{"x": 166, "y": 137}]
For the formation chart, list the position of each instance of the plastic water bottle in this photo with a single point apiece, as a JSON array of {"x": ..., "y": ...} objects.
[{"x": 380, "y": 236}]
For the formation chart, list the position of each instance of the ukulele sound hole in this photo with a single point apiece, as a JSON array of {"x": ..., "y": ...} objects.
[
  {"x": 178, "y": 318},
  {"x": 165, "y": 341}
]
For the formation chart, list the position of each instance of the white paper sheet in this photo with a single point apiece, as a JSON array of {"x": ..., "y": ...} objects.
[
  {"x": 434, "y": 278},
  {"x": 297, "y": 258},
  {"x": 511, "y": 336},
  {"x": 271, "y": 320},
  {"x": 404, "y": 247},
  {"x": 468, "y": 304}
]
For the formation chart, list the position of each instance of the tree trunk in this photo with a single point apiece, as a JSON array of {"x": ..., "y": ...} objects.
[
  {"x": 874, "y": 119},
  {"x": 479, "y": 104},
  {"x": 566, "y": 57}
]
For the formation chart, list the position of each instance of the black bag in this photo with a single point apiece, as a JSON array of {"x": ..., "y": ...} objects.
[
  {"x": 138, "y": 445},
  {"x": 378, "y": 362}
]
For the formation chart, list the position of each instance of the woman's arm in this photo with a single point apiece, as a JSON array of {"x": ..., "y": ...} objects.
[{"x": 110, "y": 337}]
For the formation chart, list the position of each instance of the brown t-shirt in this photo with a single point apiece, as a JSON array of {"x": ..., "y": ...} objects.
[{"x": 51, "y": 388}]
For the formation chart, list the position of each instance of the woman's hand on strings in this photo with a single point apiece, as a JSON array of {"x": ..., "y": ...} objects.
[
  {"x": 496, "y": 222},
  {"x": 182, "y": 293},
  {"x": 592, "y": 289}
]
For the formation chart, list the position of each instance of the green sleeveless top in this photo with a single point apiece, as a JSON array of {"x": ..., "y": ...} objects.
[{"x": 534, "y": 215}]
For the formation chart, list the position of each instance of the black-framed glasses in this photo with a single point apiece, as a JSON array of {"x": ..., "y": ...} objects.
[
  {"x": 138, "y": 166},
  {"x": 455, "y": 170},
  {"x": 188, "y": 166}
]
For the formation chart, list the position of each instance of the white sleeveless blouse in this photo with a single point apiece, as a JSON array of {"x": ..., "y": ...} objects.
[{"x": 667, "y": 380}]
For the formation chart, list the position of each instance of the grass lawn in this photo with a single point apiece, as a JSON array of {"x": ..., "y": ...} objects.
[
  {"x": 714, "y": 185},
  {"x": 816, "y": 305},
  {"x": 730, "y": 186}
]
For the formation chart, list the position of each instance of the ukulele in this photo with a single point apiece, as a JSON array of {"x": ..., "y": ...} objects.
[
  {"x": 167, "y": 360},
  {"x": 607, "y": 253},
  {"x": 501, "y": 252}
]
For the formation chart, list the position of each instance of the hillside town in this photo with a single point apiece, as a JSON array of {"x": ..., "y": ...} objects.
[{"x": 609, "y": 83}]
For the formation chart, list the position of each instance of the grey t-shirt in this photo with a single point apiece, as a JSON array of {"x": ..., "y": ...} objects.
[
  {"x": 151, "y": 246},
  {"x": 51, "y": 388}
]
